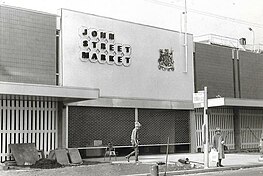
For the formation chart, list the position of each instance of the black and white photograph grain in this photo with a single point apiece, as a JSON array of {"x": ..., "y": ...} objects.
[{"x": 131, "y": 87}]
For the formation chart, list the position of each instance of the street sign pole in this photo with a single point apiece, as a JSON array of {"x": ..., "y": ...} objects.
[
  {"x": 201, "y": 97},
  {"x": 205, "y": 130}
]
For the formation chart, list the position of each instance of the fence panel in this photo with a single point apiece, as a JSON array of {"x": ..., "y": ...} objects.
[
  {"x": 218, "y": 117},
  {"x": 251, "y": 127},
  {"x": 27, "y": 120}
]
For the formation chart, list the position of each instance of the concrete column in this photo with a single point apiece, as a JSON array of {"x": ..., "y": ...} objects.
[
  {"x": 192, "y": 132},
  {"x": 59, "y": 125},
  {"x": 136, "y": 115},
  {"x": 62, "y": 125},
  {"x": 237, "y": 128}
]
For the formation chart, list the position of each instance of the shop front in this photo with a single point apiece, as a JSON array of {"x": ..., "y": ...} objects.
[{"x": 144, "y": 74}]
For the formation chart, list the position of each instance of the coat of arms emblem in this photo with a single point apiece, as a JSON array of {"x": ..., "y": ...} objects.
[{"x": 166, "y": 61}]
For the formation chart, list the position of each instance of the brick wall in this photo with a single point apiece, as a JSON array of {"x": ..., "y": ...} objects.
[{"x": 27, "y": 46}]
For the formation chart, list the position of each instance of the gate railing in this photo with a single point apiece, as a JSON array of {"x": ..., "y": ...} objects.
[{"x": 27, "y": 120}]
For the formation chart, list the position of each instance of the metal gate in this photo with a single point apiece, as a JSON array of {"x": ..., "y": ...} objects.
[
  {"x": 218, "y": 117},
  {"x": 251, "y": 127},
  {"x": 27, "y": 120}
]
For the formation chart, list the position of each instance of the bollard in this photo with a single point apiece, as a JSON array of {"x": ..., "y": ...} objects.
[{"x": 154, "y": 170}]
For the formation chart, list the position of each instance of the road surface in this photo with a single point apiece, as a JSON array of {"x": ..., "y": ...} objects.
[{"x": 256, "y": 171}]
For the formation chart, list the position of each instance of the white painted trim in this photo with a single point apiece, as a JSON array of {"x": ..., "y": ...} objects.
[
  {"x": 66, "y": 127},
  {"x": 60, "y": 92},
  {"x": 216, "y": 102},
  {"x": 136, "y": 103}
]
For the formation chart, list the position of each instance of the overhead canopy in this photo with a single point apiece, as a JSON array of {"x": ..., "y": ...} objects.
[
  {"x": 216, "y": 102},
  {"x": 58, "y": 93},
  {"x": 137, "y": 103}
]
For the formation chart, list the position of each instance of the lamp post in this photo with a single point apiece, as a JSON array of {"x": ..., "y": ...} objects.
[
  {"x": 205, "y": 131},
  {"x": 253, "y": 37}
]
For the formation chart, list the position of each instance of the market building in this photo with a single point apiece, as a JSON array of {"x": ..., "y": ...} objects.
[
  {"x": 143, "y": 73},
  {"x": 233, "y": 76},
  {"x": 77, "y": 80},
  {"x": 50, "y": 64}
]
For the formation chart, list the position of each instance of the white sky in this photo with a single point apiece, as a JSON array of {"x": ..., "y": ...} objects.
[{"x": 223, "y": 17}]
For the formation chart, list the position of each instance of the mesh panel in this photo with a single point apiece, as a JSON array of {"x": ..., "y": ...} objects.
[
  {"x": 158, "y": 125},
  {"x": 87, "y": 124}
]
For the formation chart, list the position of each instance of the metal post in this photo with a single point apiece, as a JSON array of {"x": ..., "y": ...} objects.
[
  {"x": 154, "y": 171},
  {"x": 206, "y": 142},
  {"x": 253, "y": 33},
  {"x": 185, "y": 38},
  {"x": 167, "y": 152}
]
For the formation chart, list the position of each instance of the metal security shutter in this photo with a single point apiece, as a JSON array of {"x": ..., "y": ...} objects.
[
  {"x": 158, "y": 125},
  {"x": 87, "y": 124}
]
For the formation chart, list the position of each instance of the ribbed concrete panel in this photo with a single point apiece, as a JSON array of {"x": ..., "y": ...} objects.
[
  {"x": 27, "y": 46},
  {"x": 214, "y": 69},
  {"x": 251, "y": 75}
]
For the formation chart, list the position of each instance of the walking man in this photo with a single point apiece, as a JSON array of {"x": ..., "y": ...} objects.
[
  {"x": 218, "y": 144},
  {"x": 135, "y": 142}
]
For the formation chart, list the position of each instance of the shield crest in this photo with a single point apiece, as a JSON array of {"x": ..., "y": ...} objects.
[{"x": 166, "y": 61}]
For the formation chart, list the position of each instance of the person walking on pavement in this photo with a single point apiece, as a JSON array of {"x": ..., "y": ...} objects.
[
  {"x": 261, "y": 144},
  {"x": 218, "y": 144},
  {"x": 135, "y": 143},
  {"x": 261, "y": 147}
]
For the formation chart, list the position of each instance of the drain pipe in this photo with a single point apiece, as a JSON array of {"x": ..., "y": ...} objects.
[{"x": 185, "y": 37}]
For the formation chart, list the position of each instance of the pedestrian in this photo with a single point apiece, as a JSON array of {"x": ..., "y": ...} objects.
[
  {"x": 135, "y": 143},
  {"x": 261, "y": 145},
  {"x": 218, "y": 144}
]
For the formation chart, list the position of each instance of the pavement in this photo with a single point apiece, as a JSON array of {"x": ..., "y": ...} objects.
[{"x": 232, "y": 161}]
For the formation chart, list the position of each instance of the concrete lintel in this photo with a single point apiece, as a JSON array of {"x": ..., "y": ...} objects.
[
  {"x": 238, "y": 102},
  {"x": 68, "y": 94},
  {"x": 136, "y": 103}
]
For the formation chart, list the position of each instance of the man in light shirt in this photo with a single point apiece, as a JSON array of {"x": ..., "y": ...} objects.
[{"x": 135, "y": 142}]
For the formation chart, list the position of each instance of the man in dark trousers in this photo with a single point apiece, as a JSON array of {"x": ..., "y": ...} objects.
[
  {"x": 218, "y": 144},
  {"x": 135, "y": 142}
]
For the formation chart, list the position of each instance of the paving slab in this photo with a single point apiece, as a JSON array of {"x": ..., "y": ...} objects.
[
  {"x": 24, "y": 154},
  {"x": 74, "y": 156}
]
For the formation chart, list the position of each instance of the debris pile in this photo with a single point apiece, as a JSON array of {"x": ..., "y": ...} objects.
[{"x": 45, "y": 163}]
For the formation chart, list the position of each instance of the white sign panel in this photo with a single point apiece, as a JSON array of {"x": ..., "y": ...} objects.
[{"x": 198, "y": 97}]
